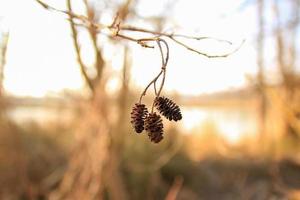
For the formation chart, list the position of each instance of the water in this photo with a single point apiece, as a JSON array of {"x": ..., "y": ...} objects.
[
  {"x": 230, "y": 122},
  {"x": 39, "y": 114}
]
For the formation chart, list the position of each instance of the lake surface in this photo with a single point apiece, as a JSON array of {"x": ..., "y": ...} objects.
[{"x": 231, "y": 122}]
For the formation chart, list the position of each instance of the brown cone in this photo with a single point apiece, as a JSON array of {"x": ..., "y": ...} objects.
[
  {"x": 154, "y": 127},
  {"x": 138, "y": 115},
  {"x": 168, "y": 108}
]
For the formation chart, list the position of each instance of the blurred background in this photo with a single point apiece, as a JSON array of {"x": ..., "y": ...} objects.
[{"x": 66, "y": 94}]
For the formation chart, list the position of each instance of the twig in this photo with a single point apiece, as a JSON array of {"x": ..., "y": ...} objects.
[
  {"x": 155, "y": 90},
  {"x": 116, "y": 28},
  {"x": 206, "y": 54},
  {"x": 163, "y": 68},
  {"x": 152, "y": 82},
  {"x": 164, "y": 64},
  {"x": 201, "y": 38},
  {"x": 139, "y": 41},
  {"x": 171, "y": 35}
]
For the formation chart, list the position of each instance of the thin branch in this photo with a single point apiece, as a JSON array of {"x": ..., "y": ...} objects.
[
  {"x": 164, "y": 64},
  {"x": 163, "y": 68},
  {"x": 77, "y": 48},
  {"x": 201, "y": 38},
  {"x": 174, "y": 37},
  {"x": 168, "y": 51},
  {"x": 171, "y": 35},
  {"x": 116, "y": 28},
  {"x": 155, "y": 90},
  {"x": 99, "y": 61},
  {"x": 206, "y": 54},
  {"x": 139, "y": 41},
  {"x": 152, "y": 82}
]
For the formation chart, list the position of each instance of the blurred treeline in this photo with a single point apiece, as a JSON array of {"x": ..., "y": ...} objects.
[{"x": 95, "y": 155}]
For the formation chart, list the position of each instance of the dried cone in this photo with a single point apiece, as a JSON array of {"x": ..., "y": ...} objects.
[
  {"x": 154, "y": 127},
  {"x": 168, "y": 108},
  {"x": 138, "y": 116}
]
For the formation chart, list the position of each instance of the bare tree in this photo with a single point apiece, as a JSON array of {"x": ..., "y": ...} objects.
[
  {"x": 260, "y": 63},
  {"x": 80, "y": 180},
  {"x": 286, "y": 32}
]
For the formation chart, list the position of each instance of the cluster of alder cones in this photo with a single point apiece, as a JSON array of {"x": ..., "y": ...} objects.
[{"x": 141, "y": 119}]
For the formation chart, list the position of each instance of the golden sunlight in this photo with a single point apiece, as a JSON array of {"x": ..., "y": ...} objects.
[
  {"x": 33, "y": 70},
  {"x": 140, "y": 99}
]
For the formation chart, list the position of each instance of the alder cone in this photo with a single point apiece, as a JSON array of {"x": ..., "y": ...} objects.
[
  {"x": 138, "y": 115},
  {"x": 154, "y": 127},
  {"x": 168, "y": 108}
]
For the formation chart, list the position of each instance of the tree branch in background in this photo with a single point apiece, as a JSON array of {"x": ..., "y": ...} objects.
[
  {"x": 292, "y": 49},
  {"x": 260, "y": 63},
  {"x": 280, "y": 45},
  {"x": 99, "y": 62},
  {"x": 76, "y": 45},
  {"x": 286, "y": 62},
  {"x": 3, "y": 51}
]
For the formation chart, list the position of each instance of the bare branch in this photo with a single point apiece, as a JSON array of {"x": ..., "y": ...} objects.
[
  {"x": 46, "y": 6},
  {"x": 70, "y": 13},
  {"x": 206, "y": 54},
  {"x": 163, "y": 68},
  {"x": 77, "y": 48},
  {"x": 201, "y": 38},
  {"x": 139, "y": 41},
  {"x": 171, "y": 35},
  {"x": 164, "y": 63},
  {"x": 115, "y": 28},
  {"x": 99, "y": 61}
]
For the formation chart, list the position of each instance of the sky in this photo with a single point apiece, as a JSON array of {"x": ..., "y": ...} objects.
[{"x": 41, "y": 58}]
